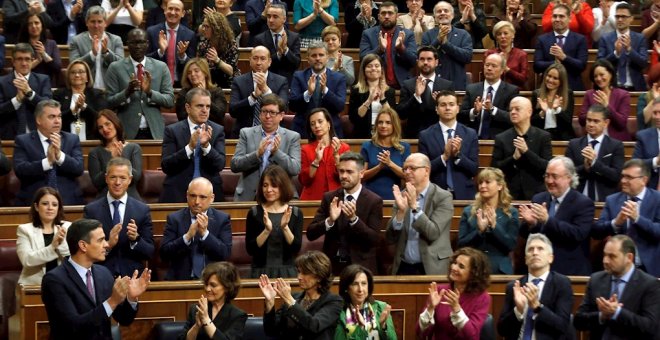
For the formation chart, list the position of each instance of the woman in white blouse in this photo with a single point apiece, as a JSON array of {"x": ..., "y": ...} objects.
[{"x": 123, "y": 15}]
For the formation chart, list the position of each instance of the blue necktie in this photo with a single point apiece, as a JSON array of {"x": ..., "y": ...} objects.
[
  {"x": 621, "y": 69},
  {"x": 116, "y": 219},
  {"x": 560, "y": 40},
  {"x": 529, "y": 321},
  {"x": 553, "y": 208},
  {"x": 265, "y": 159},
  {"x": 591, "y": 191},
  {"x": 316, "y": 97},
  {"x": 256, "y": 112},
  {"x": 450, "y": 177},
  {"x": 52, "y": 173},
  {"x": 197, "y": 256},
  {"x": 616, "y": 287},
  {"x": 277, "y": 41},
  {"x": 485, "y": 123},
  {"x": 197, "y": 157}
]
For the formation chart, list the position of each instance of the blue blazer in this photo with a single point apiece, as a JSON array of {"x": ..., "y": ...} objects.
[
  {"x": 568, "y": 230},
  {"x": 334, "y": 100},
  {"x": 122, "y": 259},
  {"x": 287, "y": 64},
  {"x": 645, "y": 232},
  {"x": 606, "y": 171},
  {"x": 453, "y": 55},
  {"x": 403, "y": 63},
  {"x": 183, "y": 34},
  {"x": 179, "y": 168},
  {"x": 432, "y": 144},
  {"x": 72, "y": 312},
  {"x": 638, "y": 58},
  {"x": 575, "y": 48},
  {"x": 646, "y": 148},
  {"x": 11, "y": 125},
  {"x": 216, "y": 246},
  {"x": 28, "y": 153}
]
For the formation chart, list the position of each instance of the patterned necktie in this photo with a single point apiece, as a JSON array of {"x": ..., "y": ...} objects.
[
  {"x": 90, "y": 285},
  {"x": 485, "y": 123},
  {"x": 529, "y": 320},
  {"x": 265, "y": 159},
  {"x": 560, "y": 40},
  {"x": 52, "y": 173},
  {"x": 591, "y": 183},
  {"x": 553, "y": 208},
  {"x": 197, "y": 157},
  {"x": 171, "y": 53},
  {"x": 256, "y": 111},
  {"x": 450, "y": 177},
  {"x": 116, "y": 218}
]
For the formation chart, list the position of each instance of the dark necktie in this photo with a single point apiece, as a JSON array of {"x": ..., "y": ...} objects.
[
  {"x": 277, "y": 41},
  {"x": 197, "y": 256},
  {"x": 450, "y": 177},
  {"x": 197, "y": 157},
  {"x": 52, "y": 173},
  {"x": 485, "y": 123},
  {"x": 256, "y": 112},
  {"x": 116, "y": 218},
  {"x": 140, "y": 72},
  {"x": 349, "y": 198},
  {"x": 316, "y": 96},
  {"x": 529, "y": 321},
  {"x": 90, "y": 285},
  {"x": 621, "y": 69},
  {"x": 560, "y": 40},
  {"x": 553, "y": 208},
  {"x": 591, "y": 183},
  {"x": 616, "y": 287}
]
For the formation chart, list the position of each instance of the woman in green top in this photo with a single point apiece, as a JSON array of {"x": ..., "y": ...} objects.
[{"x": 362, "y": 316}]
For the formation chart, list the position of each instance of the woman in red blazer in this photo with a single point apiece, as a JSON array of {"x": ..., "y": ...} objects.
[{"x": 516, "y": 58}]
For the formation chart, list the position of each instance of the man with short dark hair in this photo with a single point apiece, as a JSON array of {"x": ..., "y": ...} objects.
[
  {"x": 647, "y": 147},
  {"x": 349, "y": 218},
  {"x": 256, "y": 16},
  {"x": 282, "y": 44}
]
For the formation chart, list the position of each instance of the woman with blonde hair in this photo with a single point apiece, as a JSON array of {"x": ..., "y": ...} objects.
[
  {"x": 491, "y": 223},
  {"x": 312, "y": 16},
  {"x": 338, "y": 62},
  {"x": 219, "y": 48},
  {"x": 516, "y": 59},
  {"x": 196, "y": 73}
]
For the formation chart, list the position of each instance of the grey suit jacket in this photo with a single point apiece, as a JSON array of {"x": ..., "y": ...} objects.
[
  {"x": 81, "y": 47},
  {"x": 129, "y": 109},
  {"x": 247, "y": 162},
  {"x": 433, "y": 226}
]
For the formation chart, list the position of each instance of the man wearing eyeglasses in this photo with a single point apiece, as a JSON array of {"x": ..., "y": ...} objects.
[
  {"x": 626, "y": 50},
  {"x": 262, "y": 145},
  {"x": 634, "y": 212}
]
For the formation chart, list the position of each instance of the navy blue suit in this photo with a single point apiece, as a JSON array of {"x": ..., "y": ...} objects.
[
  {"x": 216, "y": 247},
  {"x": 256, "y": 23},
  {"x": 28, "y": 154},
  {"x": 420, "y": 115},
  {"x": 179, "y": 168},
  {"x": 575, "y": 48},
  {"x": 501, "y": 100},
  {"x": 638, "y": 57},
  {"x": 72, "y": 314},
  {"x": 333, "y": 101},
  {"x": 605, "y": 171},
  {"x": 15, "y": 121},
  {"x": 432, "y": 144},
  {"x": 284, "y": 65},
  {"x": 403, "y": 62},
  {"x": 123, "y": 259},
  {"x": 183, "y": 34},
  {"x": 646, "y": 148},
  {"x": 241, "y": 88},
  {"x": 568, "y": 230},
  {"x": 453, "y": 55},
  {"x": 645, "y": 232}
]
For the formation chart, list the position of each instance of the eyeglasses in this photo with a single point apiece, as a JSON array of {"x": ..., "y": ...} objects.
[
  {"x": 630, "y": 178},
  {"x": 412, "y": 167},
  {"x": 269, "y": 113}
]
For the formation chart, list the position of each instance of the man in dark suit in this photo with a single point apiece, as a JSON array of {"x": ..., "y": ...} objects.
[
  {"x": 20, "y": 92},
  {"x": 453, "y": 149},
  {"x": 284, "y": 45},
  {"x": 522, "y": 152},
  {"x": 634, "y": 212},
  {"x": 626, "y": 50},
  {"x": 125, "y": 220},
  {"x": 564, "y": 215},
  {"x": 80, "y": 296},
  {"x": 485, "y": 104},
  {"x": 48, "y": 157},
  {"x": 191, "y": 148},
  {"x": 562, "y": 45},
  {"x": 256, "y": 16},
  {"x": 171, "y": 42},
  {"x": 621, "y": 302},
  {"x": 349, "y": 218},
  {"x": 67, "y": 18},
  {"x": 539, "y": 304},
  {"x": 2, "y": 52},
  {"x": 598, "y": 158},
  {"x": 248, "y": 89},
  {"x": 395, "y": 45},
  {"x": 454, "y": 45},
  {"x": 647, "y": 147},
  {"x": 317, "y": 86},
  {"x": 196, "y": 235},
  {"x": 417, "y": 103}
]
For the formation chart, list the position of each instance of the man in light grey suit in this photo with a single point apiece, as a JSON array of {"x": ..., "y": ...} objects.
[
  {"x": 420, "y": 223},
  {"x": 264, "y": 144},
  {"x": 96, "y": 47},
  {"x": 138, "y": 86}
]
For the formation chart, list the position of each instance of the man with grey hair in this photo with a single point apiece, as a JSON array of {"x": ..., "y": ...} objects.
[
  {"x": 539, "y": 304},
  {"x": 564, "y": 215},
  {"x": 420, "y": 223},
  {"x": 48, "y": 156}
]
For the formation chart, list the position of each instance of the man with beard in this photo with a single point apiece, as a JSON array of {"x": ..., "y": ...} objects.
[{"x": 350, "y": 218}]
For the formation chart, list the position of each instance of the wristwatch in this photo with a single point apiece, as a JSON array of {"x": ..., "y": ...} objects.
[
  {"x": 538, "y": 309},
  {"x": 415, "y": 210},
  {"x": 29, "y": 94}
]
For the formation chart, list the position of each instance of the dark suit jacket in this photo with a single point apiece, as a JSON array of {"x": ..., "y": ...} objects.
[
  {"x": 645, "y": 232},
  {"x": 403, "y": 62},
  {"x": 122, "y": 259},
  {"x": 256, "y": 23},
  {"x": 241, "y": 88},
  {"x": 501, "y": 99},
  {"x": 333, "y": 101},
  {"x": 638, "y": 57},
  {"x": 229, "y": 322},
  {"x": 453, "y": 55},
  {"x": 61, "y": 21},
  {"x": 28, "y": 154},
  {"x": 432, "y": 144},
  {"x": 606, "y": 171},
  {"x": 216, "y": 247},
  {"x": 640, "y": 310},
  {"x": 95, "y": 100},
  {"x": 183, "y": 34},
  {"x": 179, "y": 168},
  {"x": 646, "y": 148},
  {"x": 287, "y": 64},
  {"x": 568, "y": 230},
  {"x": 362, "y": 238},
  {"x": 420, "y": 115},
  {"x": 524, "y": 176},
  {"x": 575, "y": 48},
  {"x": 72, "y": 312},
  {"x": 555, "y": 317},
  {"x": 319, "y": 321},
  {"x": 15, "y": 121},
  {"x": 564, "y": 129},
  {"x": 362, "y": 125}
]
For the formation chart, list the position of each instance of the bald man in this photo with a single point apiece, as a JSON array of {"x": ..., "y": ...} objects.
[{"x": 522, "y": 152}]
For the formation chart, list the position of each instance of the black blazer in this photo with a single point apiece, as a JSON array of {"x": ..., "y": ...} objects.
[
  {"x": 500, "y": 121},
  {"x": 362, "y": 125},
  {"x": 61, "y": 21},
  {"x": 255, "y": 226},
  {"x": 229, "y": 323},
  {"x": 554, "y": 319},
  {"x": 96, "y": 101},
  {"x": 287, "y": 64},
  {"x": 606, "y": 171},
  {"x": 318, "y": 322},
  {"x": 420, "y": 115},
  {"x": 564, "y": 129}
]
